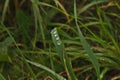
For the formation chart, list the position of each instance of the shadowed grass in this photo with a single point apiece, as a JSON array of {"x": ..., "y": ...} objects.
[{"x": 20, "y": 52}]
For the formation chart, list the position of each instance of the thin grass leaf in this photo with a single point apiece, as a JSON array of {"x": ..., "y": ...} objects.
[
  {"x": 57, "y": 42},
  {"x": 36, "y": 27},
  {"x": 51, "y": 60},
  {"x": 86, "y": 45},
  {"x": 2, "y": 77},
  {"x": 64, "y": 58},
  {"x": 109, "y": 34},
  {"x": 90, "y": 5},
  {"x": 110, "y": 56},
  {"x": 38, "y": 18},
  {"x": 103, "y": 73},
  {"x": 62, "y": 8},
  {"x": 95, "y": 37},
  {"x": 113, "y": 14},
  {"x": 48, "y": 5},
  {"x": 99, "y": 12},
  {"x": 109, "y": 61},
  {"x": 4, "y": 10},
  {"x": 47, "y": 69}
]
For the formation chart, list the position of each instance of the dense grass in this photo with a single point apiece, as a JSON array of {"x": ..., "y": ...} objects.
[{"x": 59, "y": 40}]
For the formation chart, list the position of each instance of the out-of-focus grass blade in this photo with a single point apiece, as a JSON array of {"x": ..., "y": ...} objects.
[
  {"x": 46, "y": 69},
  {"x": 64, "y": 58},
  {"x": 62, "y": 8},
  {"x": 4, "y": 50},
  {"x": 4, "y": 10},
  {"x": 48, "y": 5},
  {"x": 24, "y": 23},
  {"x": 103, "y": 73},
  {"x": 86, "y": 45},
  {"x": 2, "y": 77},
  {"x": 20, "y": 52},
  {"x": 38, "y": 21},
  {"x": 90, "y": 4}
]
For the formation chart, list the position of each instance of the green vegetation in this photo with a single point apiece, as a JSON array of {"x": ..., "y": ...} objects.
[{"x": 59, "y": 40}]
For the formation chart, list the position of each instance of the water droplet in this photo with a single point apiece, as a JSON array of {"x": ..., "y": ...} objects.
[
  {"x": 55, "y": 35},
  {"x": 55, "y": 32},
  {"x": 57, "y": 38},
  {"x": 59, "y": 42}
]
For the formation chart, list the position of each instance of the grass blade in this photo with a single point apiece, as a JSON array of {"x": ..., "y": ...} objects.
[
  {"x": 46, "y": 69},
  {"x": 39, "y": 20},
  {"x": 64, "y": 58},
  {"x": 1, "y": 77},
  {"x": 4, "y": 10},
  {"x": 91, "y": 4},
  {"x": 86, "y": 45},
  {"x": 62, "y": 8}
]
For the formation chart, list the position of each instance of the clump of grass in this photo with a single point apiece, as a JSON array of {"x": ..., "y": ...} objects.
[{"x": 83, "y": 44}]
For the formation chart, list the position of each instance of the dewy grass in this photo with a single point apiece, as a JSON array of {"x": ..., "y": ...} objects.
[
  {"x": 63, "y": 56},
  {"x": 57, "y": 76},
  {"x": 86, "y": 45}
]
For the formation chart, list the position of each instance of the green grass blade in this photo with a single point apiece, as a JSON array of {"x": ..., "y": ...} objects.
[
  {"x": 64, "y": 58},
  {"x": 2, "y": 77},
  {"x": 46, "y": 69},
  {"x": 20, "y": 52},
  {"x": 62, "y": 8},
  {"x": 57, "y": 42},
  {"x": 51, "y": 6},
  {"x": 103, "y": 73},
  {"x": 86, "y": 45},
  {"x": 4, "y": 10},
  {"x": 90, "y": 5},
  {"x": 106, "y": 31},
  {"x": 24, "y": 23},
  {"x": 38, "y": 18}
]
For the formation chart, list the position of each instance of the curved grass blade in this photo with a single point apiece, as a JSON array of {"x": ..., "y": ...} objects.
[
  {"x": 62, "y": 8},
  {"x": 90, "y": 5},
  {"x": 48, "y": 5},
  {"x": 86, "y": 45},
  {"x": 46, "y": 69}
]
